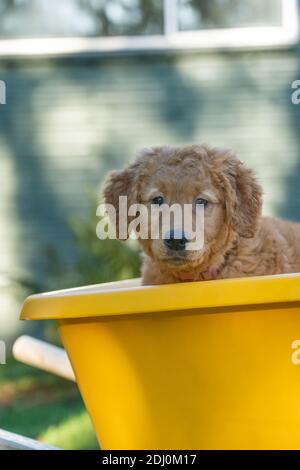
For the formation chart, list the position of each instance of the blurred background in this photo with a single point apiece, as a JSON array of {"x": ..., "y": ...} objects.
[{"x": 88, "y": 83}]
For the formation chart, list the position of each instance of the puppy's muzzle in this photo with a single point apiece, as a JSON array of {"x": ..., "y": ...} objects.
[{"x": 176, "y": 241}]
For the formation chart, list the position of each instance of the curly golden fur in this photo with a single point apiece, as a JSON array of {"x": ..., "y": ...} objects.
[{"x": 238, "y": 241}]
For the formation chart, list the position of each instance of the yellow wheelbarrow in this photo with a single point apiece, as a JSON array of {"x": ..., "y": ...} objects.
[{"x": 201, "y": 365}]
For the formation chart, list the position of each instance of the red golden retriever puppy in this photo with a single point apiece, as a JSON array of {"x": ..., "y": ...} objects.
[{"x": 237, "y": 242}]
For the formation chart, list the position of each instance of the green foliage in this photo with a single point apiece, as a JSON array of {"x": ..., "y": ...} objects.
[
  {"x": 74, "y": 433},
  {"x": 104, "y": 260},
  {"x": 96, "y": 260},
  {"x": 44, "y": 407}
]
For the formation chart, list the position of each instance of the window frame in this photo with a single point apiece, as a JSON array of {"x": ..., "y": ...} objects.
[{"x": 258, "y": 37}]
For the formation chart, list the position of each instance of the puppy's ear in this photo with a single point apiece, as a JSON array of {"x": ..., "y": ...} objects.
[
  {"x": 243, "y": 194},
  {"x": 245, "y": 199},
  {"x": 119, "y": 183}
]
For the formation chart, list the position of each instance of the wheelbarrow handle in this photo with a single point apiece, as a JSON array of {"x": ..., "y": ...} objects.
[
  {"x": 12, "y": 441},
  {"x": 42, "y": 355}
]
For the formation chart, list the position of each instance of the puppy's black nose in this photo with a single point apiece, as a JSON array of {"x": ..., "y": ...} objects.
[{"x": 178, "y": 243}]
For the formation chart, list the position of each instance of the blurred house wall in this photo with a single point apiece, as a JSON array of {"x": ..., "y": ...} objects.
[{"x": 68, "y": 121}]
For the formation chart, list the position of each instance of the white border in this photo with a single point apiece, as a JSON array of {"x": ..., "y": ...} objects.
[{"x": 234, "y": 38}]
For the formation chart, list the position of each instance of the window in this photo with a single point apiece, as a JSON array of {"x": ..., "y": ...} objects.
[
  {"x": 196, "y": 15},
  {"x": 87, "y": 18},
  {"x": 39, "y": 27}
]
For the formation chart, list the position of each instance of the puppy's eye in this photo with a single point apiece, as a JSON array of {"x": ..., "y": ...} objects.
[
  {"x": 158, "y": 200},
  {"x": 201, "y": 202}
]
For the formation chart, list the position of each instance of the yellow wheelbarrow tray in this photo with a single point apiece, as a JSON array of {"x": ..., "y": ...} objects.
[{"x": 200, "y": 365}]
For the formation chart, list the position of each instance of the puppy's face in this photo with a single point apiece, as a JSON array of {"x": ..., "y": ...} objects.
[
  {"x": 180, "y": 184},
  {"x": 206, "y": 180}
]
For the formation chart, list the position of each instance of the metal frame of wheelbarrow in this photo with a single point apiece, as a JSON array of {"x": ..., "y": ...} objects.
[{"x": 43, "y": 356}]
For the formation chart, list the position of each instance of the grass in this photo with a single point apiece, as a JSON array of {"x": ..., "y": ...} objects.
[{"x": 43, "y": 407}]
